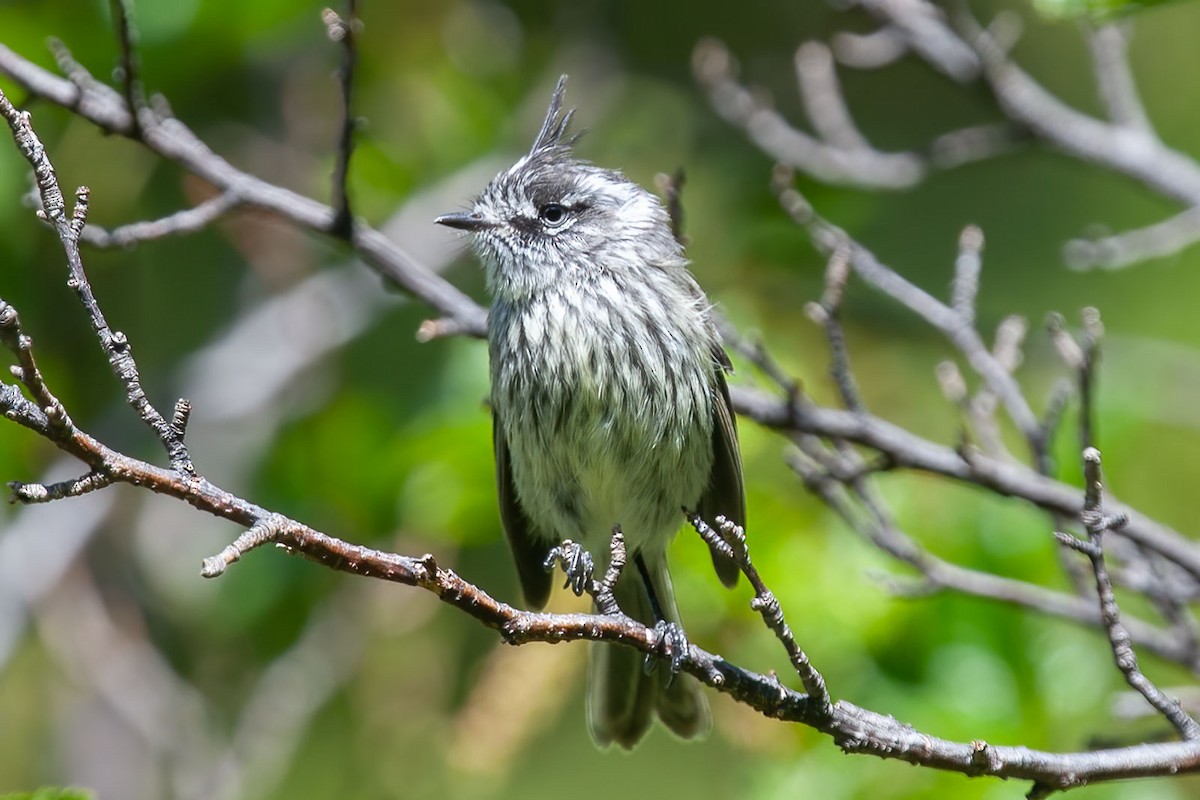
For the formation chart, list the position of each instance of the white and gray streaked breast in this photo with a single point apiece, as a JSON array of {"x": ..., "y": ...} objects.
[{"x": 605, "y": 391}]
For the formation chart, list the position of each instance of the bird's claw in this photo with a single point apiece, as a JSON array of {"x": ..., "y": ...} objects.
[
  {"x": 576, "y": 563},
  {"x": 672, "y": 646}
]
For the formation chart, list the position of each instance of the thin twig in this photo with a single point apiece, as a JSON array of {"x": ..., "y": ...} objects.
[
  {"x": 729, "y": 539},
  {"x": 114, "y": 343},
  {"x": 1131, "y": 247},
  {"x": 968, "y": 265},
  {"x": 828, "y": 238},
  {"x": 905, "y": 450},
  {"x": 27, "y": 372},
  {"x": 1108, "y": 44},
  {"x": 169, "y": 138},
  {"x": 875, "y": 50},
  {"x": 823, "y": 100},
  {"x": 186, "y": 221},
  {"x": 976, "y": 143},
  {"x": 130, "y": 70},
  {"x": 47, "y": 492},
  {"x": 1122, "y": 149},
  {"x": 826, "y": 314},
  {"x": 671, "y": 187},
  {"x": 937, "y": 574},
  {"x": 264, "y": 531},
  {"x": 926, "y": 33},
  {"x": 863, "y": 166},
  {"x": 1097, "y": 522},
  {"x": 344, "y": 30},
  {"x": 1174, "y": 609},
  {"x": 174, "y": 142},
  {"x": 1093, "y": 332}
]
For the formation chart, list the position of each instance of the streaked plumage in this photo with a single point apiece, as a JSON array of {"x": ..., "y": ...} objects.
[{"x": 608, "y": 394}]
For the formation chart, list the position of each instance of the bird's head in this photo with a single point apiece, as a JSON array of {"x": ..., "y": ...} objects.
[{"x": 552, "y": 218}]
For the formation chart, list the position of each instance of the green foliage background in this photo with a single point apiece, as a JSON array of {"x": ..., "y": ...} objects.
[{"x": 389, "y": 445}]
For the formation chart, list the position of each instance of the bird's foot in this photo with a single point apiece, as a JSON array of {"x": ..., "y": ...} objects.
[
  {"x": 575, "y": 562},
  {"x": 672, "y": 646}
]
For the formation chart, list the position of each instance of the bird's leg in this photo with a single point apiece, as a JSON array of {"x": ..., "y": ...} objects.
[
  {"x": 671, "y": 639},
  {"x": 576, "y": 563}
]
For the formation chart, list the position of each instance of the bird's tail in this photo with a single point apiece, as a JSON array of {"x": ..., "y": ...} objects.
[{"x": 622, "y": 698}]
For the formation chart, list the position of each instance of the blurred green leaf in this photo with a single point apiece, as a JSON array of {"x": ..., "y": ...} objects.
[
  {"x": 51, "y": 793},
  {"x": 1099, "y": 10}
]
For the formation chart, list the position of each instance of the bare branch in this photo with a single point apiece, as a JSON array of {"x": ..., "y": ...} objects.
[
  {"x": 976, "y": 143},
  {"x": 1129, "y": 151},
  {"x": 828, "y": 238},
  {"x": 862, "y": 166},
  {"x": 45, "y": 493},
  {"x": 924, "y": 28},
  {"x": 1081, "y": 356},
  {"x": 1097, "y": 523},
  {"x": 854, "y": 729},
  {"x": 755, "y": 351},
  {"x": 937, "y": 574},
  {"x": 346, "y": 32},
  {"x": 966, "y": 51},
  {"x": 175, "y": 142},
  {"x": 904, "y": 449},
  {"x": 27, "y": 372},
  {"x": 130, "y": 69},
  {"x": 671, "y": 187},
  {"x": 823, "y": 100},
  {"x": 874, "y": 50},
  {"x": 730, "y": 540},
  {"x": 825, "y": 314},
  {"x": 189, "y": 220},
  {"x": 1060, "y": 394},
  {"x": 1131, "y": 247},
  {"x": 1110, "y": 61},
  {"x": 967, "y": 267},
  {"x": 981, "y": 408},
  {"x": 114, "y": 343},
  {"x": 842, "y": 470},
  {"x": 263, "y": 531}
]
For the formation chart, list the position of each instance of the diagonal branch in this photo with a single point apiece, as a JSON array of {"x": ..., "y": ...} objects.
[{"x": 169, "y": 138}]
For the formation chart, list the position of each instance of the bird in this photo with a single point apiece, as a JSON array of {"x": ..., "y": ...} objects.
[{"x": 609, "y": 401}]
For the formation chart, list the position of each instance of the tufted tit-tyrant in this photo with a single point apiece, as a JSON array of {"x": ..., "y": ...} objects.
[{"x": 609, "y": 400}]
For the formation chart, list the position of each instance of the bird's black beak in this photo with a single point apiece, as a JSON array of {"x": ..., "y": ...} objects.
[{"x": 463, "y": 220}]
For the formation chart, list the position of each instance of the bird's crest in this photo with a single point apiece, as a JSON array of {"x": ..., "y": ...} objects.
[{"x": 554, "y": 128}]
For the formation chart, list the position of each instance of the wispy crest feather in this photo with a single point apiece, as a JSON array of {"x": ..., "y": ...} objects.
[{"x": 554, "y": 127}]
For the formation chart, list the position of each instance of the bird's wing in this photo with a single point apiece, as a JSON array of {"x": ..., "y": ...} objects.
[
  {"x": 725, "y": 493},
  {"x": 528, "y": 552}
]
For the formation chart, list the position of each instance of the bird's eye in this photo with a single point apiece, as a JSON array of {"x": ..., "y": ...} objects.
[{"x": 552, "y": 214}]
